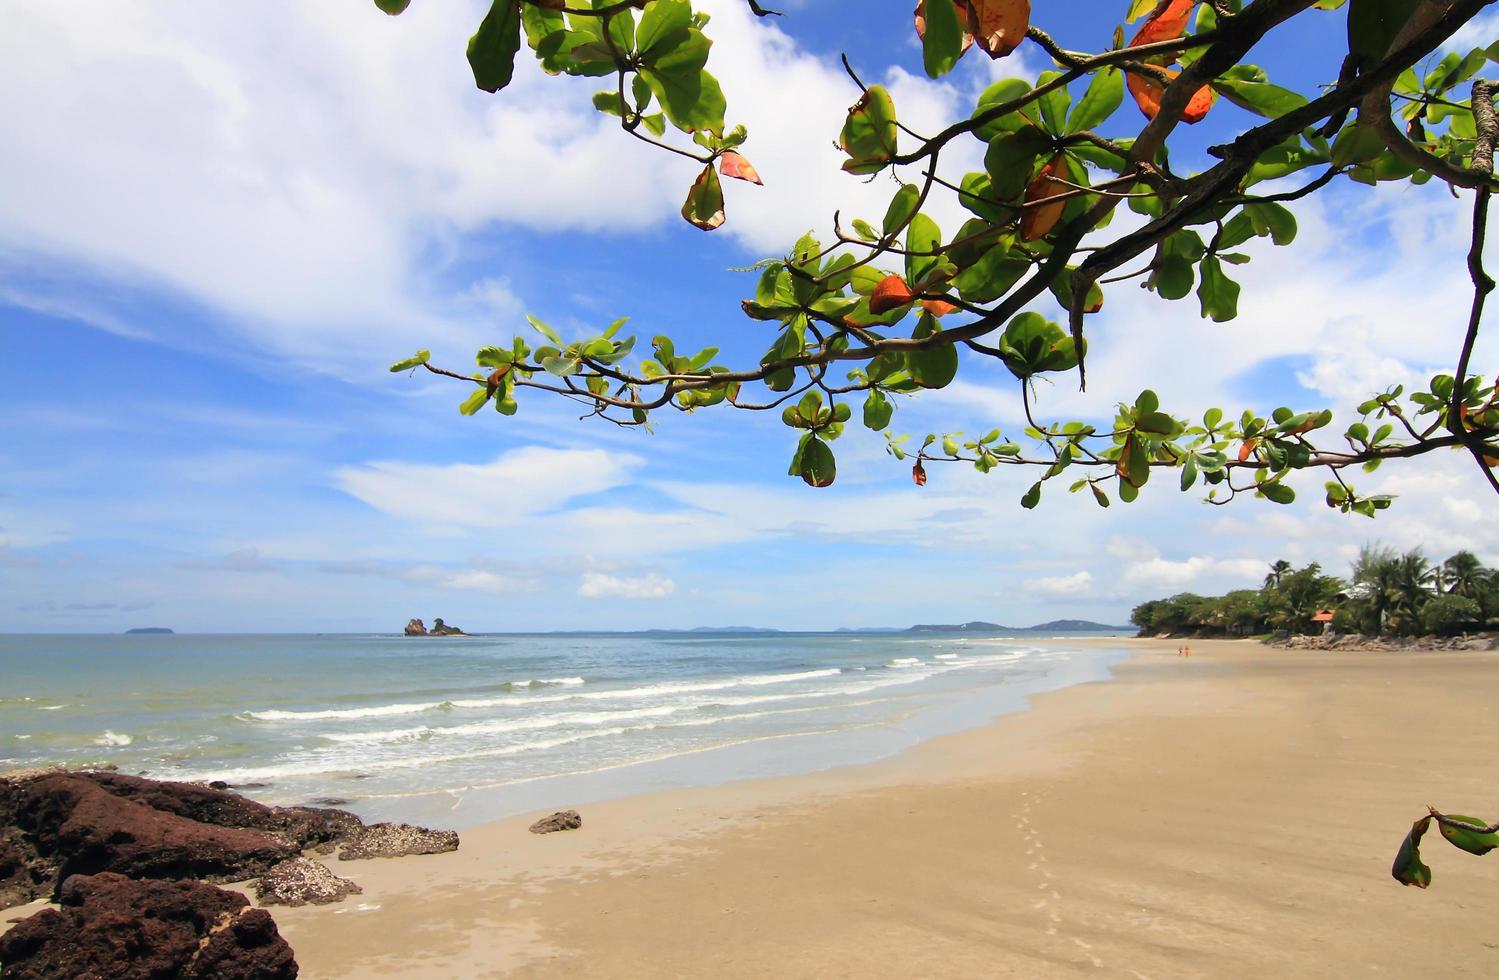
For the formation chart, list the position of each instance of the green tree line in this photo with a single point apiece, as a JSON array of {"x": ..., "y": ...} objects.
[{"x": 1386, "y": 593}]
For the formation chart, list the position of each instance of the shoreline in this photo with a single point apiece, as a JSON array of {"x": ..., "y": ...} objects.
[{"x": 1233, "y": 813}]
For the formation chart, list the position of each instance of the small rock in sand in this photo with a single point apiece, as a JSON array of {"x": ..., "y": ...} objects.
[
  {"x": 303, "y": 882},
  {"x": 561, "y": 820},
  {"x": 396, "y": 840}
]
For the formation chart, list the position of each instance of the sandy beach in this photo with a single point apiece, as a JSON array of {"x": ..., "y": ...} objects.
[{"x": 1229, "y": 815}]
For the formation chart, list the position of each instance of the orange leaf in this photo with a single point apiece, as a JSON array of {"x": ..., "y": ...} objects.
[
  {"x": 733, "y": 164},
  {"x": 1168, "y": 20},
  {"x": 918, "y": 474},
  {"x": 891, "y": 293},
  {"x": 937, "y": 307},
  {"x": 1038, "y": 220},
  {"x": 1147, "y": 93},
  {"x": 999, "y": 25},
  {"x": 704, "y": 204},
  {"x": 1246, "y": 449}
]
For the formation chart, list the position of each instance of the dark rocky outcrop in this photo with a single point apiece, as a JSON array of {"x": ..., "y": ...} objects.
[
  {"x": 561, "y": 820},
  {"x": 111, "y": 926},
  {"x": 1358, "y": 641},
  {"x": 416, "y": 627},
  {"x": 395, "y": 840},
  {"x": 302, "y": 882},
  {"x": 57, "y": 824}
]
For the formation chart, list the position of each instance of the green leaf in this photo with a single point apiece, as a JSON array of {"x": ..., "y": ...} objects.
[
  {"x": 1032, "y": 344},
  {"x": 1408, "y": 869},
  {"x": 1218, "y": 293},
  {"x": 818, "y": 467},
  {"x": 868, "y": 135},
  {"x": 1032, "y": 497},
  {"x": 877, "y": 411},
  {"x": 1373, "y": 24},
  {"x": 936, "y": 366},
  {"x": 392, "y": 7},
  {"x": 421, "y": 357},
  {"x": 1053, "y": 104},
  {"x": 475, "y": 401},
  {"x": 922, "y": 235},
  {"x": 902, "y": 207},
  {"x": 691, "y": 97},
  {"x": 704, "y": 205},
  {"x": 544, "y": 330},
  {"x": 1189, "y": 472},
  {"x": 1278, "y": 493},
  {"x": 1002, "y": 92},
  {"x": 1269, "y": 218},
  {"x": 942, "y": 44},
  {"x": 1157, "y": 424},
  {"x": 491, "y": 51},
  {"x": 1099, "y": 495},
  {"x": 1261, "y": 98},
  {"x": 1104, "y": 95},
  {"x": 1469, "y": 840},
  {"x": 659, "y": 21}
]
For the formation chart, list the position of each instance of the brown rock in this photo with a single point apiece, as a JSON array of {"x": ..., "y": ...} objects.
[
  {"x": 416, "y": 627},
  {"x": 396, "y": 840},
  {"x": 109, "y": 926},
  {"x": 303, "y": 882},
  {"x": 76, "y": 822},
  {"x": 561, "y": 820}
]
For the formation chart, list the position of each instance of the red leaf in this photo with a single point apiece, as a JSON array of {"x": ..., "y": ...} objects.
[
  {"x": 1039, "y": 219},
  {"x": 1168, "y": 20},
  {"x": 999, "y": 25},
  {"x": 937, "y": 307},
  {"x": 1246, "y": 449},
  {"x": 1147, "y": 92},
  {"x": 918, "y": 474},
  {"x": 891, "y": 293},
  {"x": 733, "y": 164}
]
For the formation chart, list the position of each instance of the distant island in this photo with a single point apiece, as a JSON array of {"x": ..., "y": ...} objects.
[
  {"x": 978, "y": 626},
  {"x": 148, "y": 629}
]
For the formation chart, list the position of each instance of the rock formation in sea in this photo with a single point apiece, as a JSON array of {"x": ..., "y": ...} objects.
[
  {"x": 108, "y": 925},
  {"x": 561, "y": 820},
  {"x": 416, "y": 627}
]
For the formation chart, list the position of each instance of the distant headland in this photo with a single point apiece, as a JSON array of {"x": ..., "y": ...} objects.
[
  {"x": 148, "y": 629},
  {"x": 1073, "y": 625}
]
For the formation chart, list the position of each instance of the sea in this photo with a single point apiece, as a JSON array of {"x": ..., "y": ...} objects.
[{"x": 463, "y": 730}]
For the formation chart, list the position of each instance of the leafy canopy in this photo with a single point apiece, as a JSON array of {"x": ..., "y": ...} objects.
[{"x": 878, "y": 313}]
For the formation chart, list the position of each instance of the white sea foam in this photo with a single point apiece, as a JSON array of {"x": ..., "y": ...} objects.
[
  {"x": 49, "y": 707},
  {"x": 113, "y": 739},
  {"x": 945, "y": 656},
  {"x": 903, "y": 662},
  {"x": 377, "y": 711}
]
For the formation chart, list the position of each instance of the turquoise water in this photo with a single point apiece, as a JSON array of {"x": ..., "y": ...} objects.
[{"x": 401, "y": 726}]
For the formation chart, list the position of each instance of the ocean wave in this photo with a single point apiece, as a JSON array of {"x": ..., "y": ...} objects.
[
  {"x": 945, "y": 656},
  {"x": 903, "y": 662},
  {"x": 330, "y": 765},
  {"x": 658, "y": 690},
  {"x": 113, "y": 739},
  {"x": 408, "y": 708},
  {"x": 49, "y": 707}
]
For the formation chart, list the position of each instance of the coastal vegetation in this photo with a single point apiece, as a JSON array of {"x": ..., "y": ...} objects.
[
  {"x": 1385, "y": 593},
  {"x": 881, "y": 309}
]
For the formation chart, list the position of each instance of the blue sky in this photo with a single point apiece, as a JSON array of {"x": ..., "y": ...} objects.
[{"x": 219, "y": 223}]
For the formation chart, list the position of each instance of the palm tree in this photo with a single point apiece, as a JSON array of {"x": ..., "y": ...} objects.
[
  {"x": 1465, "y": 575},
  {"x": 1409, "y": 588},
  {"x": 1374, "y": 577},
  {"x": 1277, "y": 571}
]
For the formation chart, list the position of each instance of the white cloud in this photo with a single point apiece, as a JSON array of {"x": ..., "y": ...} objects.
[
  {"x": 1199, "y": 573},
  {"x": 1062, "y": 586},
  {"x": 240, "y": 560},
  {"x": 513, "y": 488},
  {"x": 597, "y": 585}
]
